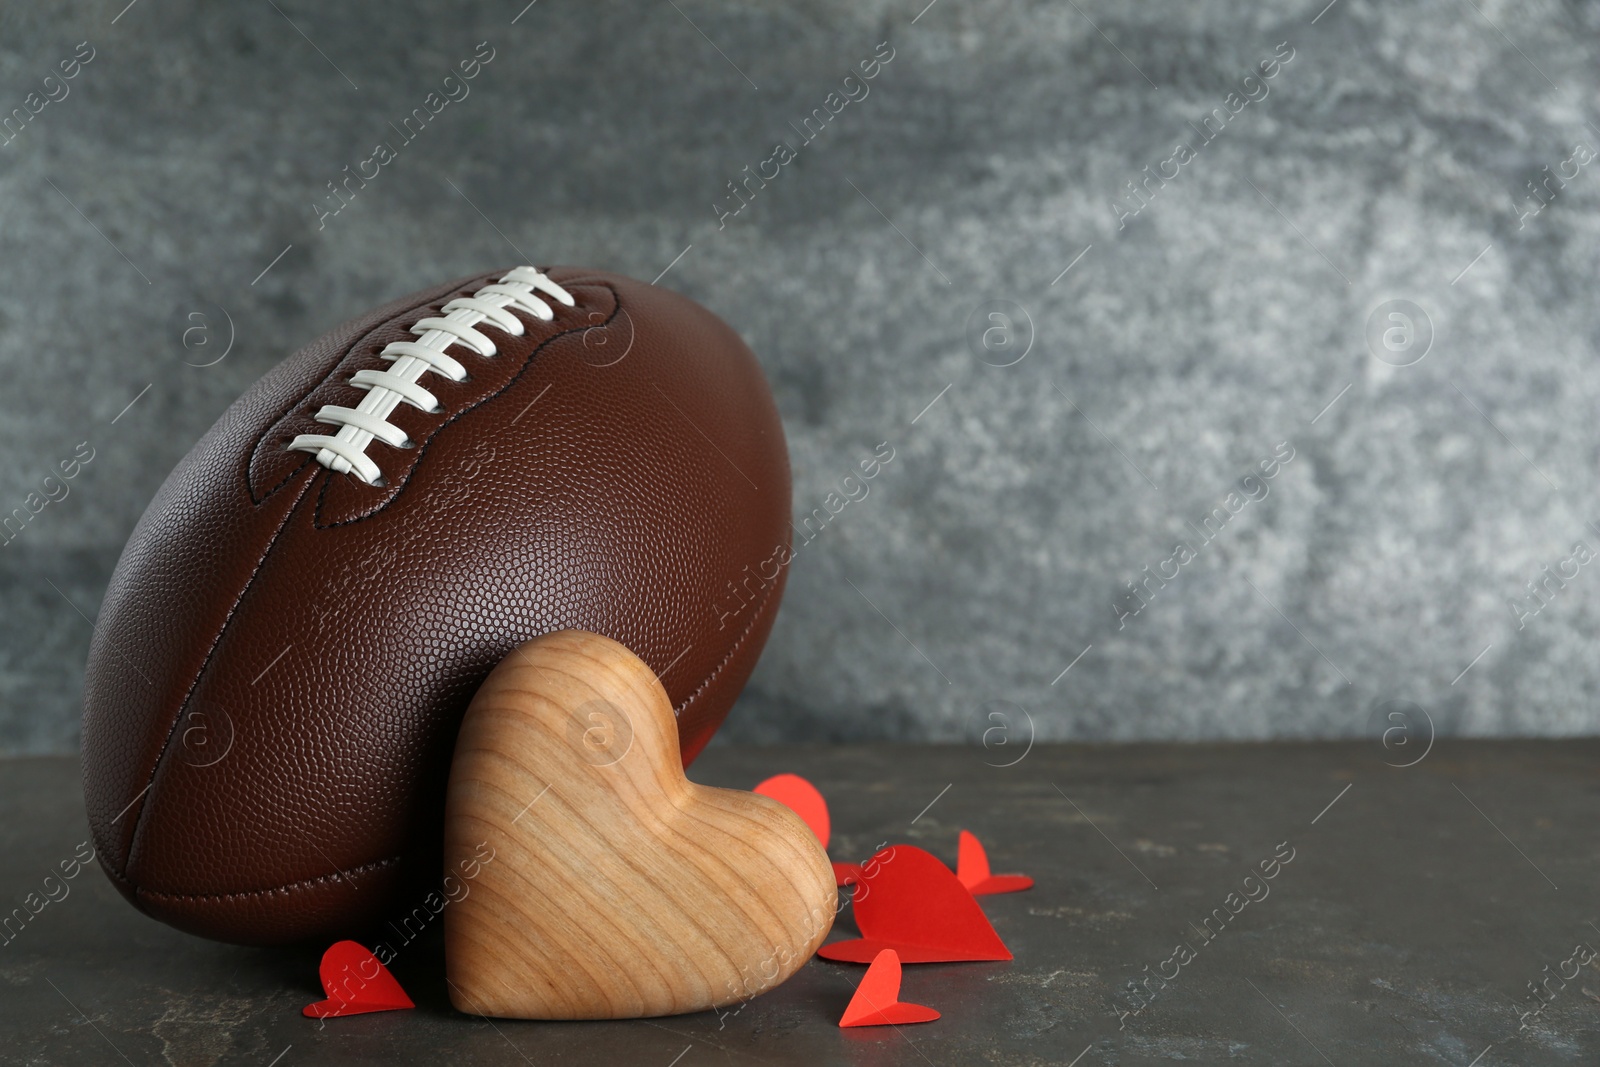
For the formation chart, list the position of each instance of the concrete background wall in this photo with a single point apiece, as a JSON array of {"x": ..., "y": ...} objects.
[{"x": 1154, "y": 347}]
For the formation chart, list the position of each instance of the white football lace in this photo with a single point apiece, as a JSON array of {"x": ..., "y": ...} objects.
[{"x": 346, "y": 451}]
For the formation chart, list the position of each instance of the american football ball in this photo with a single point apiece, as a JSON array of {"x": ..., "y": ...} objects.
[{"x": 301, "y": 616}]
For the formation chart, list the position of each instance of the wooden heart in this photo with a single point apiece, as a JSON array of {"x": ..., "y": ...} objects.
[{"x": 616, "y": 887}]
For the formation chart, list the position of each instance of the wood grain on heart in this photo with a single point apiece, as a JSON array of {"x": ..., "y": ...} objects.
[{"x": 618, "y": 888}]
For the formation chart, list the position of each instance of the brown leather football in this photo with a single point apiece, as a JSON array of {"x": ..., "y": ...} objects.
[{"x": 299, "y": 619}]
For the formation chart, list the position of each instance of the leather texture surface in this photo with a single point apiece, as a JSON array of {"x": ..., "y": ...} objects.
[{"x": 284, "y": 654}]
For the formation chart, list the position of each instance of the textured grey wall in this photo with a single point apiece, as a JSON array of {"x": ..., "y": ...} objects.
[{"x": 1233, "y": 306}]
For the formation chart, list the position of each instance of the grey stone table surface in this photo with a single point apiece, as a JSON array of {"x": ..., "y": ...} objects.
[{"x": 1412, "y": 908}]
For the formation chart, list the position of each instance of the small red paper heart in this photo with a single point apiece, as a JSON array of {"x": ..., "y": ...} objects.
[
  {"x": 972, "y": 868},
  {"x": 877, "y": 999},
  {"x": 801, "y": 796},
  {"x": 846, "y": 873},
  {"x": 356, "y": 983},
  {"x": 908, "y": 901}
]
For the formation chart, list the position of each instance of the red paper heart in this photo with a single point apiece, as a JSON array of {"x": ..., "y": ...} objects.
[
  {"x": 908, "y": 901},
  {"x": 877, "y": 999},
  {"x": 803, "y": 798},
  {"x": 846, "y": 873},
  {"x": 972, "y": 868},
  {"x": 356, "y": 983}
]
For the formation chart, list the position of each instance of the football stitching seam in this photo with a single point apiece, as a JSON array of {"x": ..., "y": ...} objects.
[
  {"x": 194, "y": 683},
  {"x": 504, "y": 304},
  {"x": 766, "y": 601},
  {"x": 287, "y": 887},
  {"x": 344, "y": 354},
  {"x": 464, "y": 286},
  {"x": 423, "y": 446},
  {"x": 287, "y": 478}
]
